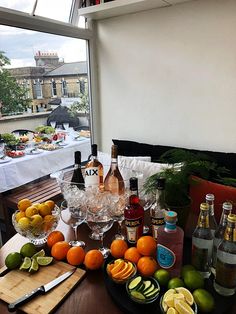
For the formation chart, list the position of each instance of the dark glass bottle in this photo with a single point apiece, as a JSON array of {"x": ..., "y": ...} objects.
[
  {"x": 158, "y": 209},
  {"x": 77, "y": 177},
  {"x": 114, "y": 181},
  {"x": 94, "y": 170},
  {"x": 134, "y": 214}
]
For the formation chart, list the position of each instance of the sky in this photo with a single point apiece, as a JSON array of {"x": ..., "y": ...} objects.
[{"x": 21, "y": 45}]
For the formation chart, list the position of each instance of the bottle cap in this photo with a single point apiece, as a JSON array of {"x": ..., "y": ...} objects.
[
  {"x": 170, "y": 216},
  {"x": 78, "y": 157},
  {"x": 231, "y": 218},
  {"x": 210, "y": 197},
  {"x": 133, "y": 184},
  {"x": 160, "y": 183},
  {"x": 94, "y": 149},
  {"x": 204, "y": 206},
  {"x": 227, "y": 206},
  {"x": 114, "y": 151}
]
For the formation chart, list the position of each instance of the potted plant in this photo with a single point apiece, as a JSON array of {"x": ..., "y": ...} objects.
[{"x": 178, "y": 178}]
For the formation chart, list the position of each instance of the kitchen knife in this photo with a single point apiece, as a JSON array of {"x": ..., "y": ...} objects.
[{"x": 40, "y": 290}]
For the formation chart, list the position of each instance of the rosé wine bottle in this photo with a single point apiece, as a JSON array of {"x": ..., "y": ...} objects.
[{"x": 170, "y": 245}]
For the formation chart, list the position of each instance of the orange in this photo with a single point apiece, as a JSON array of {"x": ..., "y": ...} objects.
[
  {"x": 147, "y": 266},
  {"x": 75, "y": 255},
  {"x": 132, "y": 255},
  {"x": 146, "y": 245},
  {"x": 23, "y": 204},
  {"x": 118, "y": 248},
  {"x": 93, "y": 259},
  {"x": 60, "y": 249},
  {"x": 44, "y": 209},
  {"x": 54, "y": 237},
  {"x": 50, "y": 204}
]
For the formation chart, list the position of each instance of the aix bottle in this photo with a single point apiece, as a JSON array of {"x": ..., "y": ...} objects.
[{"x": 94, "y": 170}]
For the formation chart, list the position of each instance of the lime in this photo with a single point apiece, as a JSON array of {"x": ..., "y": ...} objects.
[
  {"x": 13, "y": 260},
  {"x": 44, "y": 260},
  {"x": 204, "y": 300},
  {"x": 193, "y": 280},
  {"x": 28, "y": 249},
  {"x": 186, "y": 268},
  {"x": 39, "y": 253},
  {"x": 162, "y": 276},
  {"x": 26, "y": 263},
  {"x": 175, "y": 283},
  {"x": 34, "y": 266}
]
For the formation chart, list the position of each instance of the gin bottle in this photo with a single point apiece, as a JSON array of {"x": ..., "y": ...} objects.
[
  {"x": 202, "y": 243},
  {"x": 158, "y": 209},
  {"x": 170, "y": 245},
  {"x": 225, "y": 281},
  {"x": 210, "y": 198},
  {"x": 219, "y": 233}
]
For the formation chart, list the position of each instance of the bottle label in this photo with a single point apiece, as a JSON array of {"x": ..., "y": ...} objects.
[
  {"x": 132, "y": 228},
  {"x": 91, "y": 176},
  {"x": 200, "y": 258},
  {"x": 156, "y": 223},
  {"x": 165, "y": 257}
]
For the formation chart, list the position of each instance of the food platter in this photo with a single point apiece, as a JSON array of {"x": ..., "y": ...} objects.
[
  {"x": 49, "y": 147},
  {"x": 15, "y": 153}
]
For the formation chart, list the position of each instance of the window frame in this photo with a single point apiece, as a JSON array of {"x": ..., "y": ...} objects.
[{"x": 14, "y": 18}]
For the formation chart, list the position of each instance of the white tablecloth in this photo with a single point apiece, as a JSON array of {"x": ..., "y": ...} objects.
[{"x": 25, "y": 169}]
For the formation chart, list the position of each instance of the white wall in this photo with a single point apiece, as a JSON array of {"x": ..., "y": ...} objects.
[{"x": 168, "y": 76}]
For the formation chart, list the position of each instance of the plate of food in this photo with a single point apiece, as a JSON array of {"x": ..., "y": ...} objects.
[
  {"x": 15, "y": 153},
  {"x": 49, "y": 147}
]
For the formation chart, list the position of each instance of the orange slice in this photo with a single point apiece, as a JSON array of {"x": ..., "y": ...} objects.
[
  {"x": 109, "y": 268},
  {"x": 122, "y": 271},
  {"x": 129, "y": 272},
  {"x": 119, "y": 264}
]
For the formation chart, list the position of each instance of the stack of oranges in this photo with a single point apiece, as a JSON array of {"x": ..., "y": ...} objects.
[
  {"x": 61, "y": 250},
  {"x": 142, "y": 255}
]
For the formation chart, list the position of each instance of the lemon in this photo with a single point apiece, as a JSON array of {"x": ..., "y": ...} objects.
[
  {"x": 23, "y": 204},
  {"x": 175, "y": 282},
  {"x": 193, "y": 280},
  {"x": 36, "y": 220},
  {"x": 44, "y": 260},
  {"x": 44, "y": 209},
  {"x": 50, "y": 204},
  {"x": 34, "y": 266},
  {"x": 172, "y": 310},
  {"x": 186, "y": 268},
  {"x": 19, "y": 215},
  {"x": 28, "y": 250},
  {"x": 187, "y": 294},
  {"x": 13, "y": 260},
  {"x": 26, "y": 263},
  {"x": 204, "y": 300},
  {"x": 31, "y": 211},
  {"x": 183, "y": 308},
  {"x": 162, "y": 276},
  {"x": 24, "y": 223}
]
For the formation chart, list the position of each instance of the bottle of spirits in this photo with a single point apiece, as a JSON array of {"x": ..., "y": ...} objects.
[
  {"x": 170, "y": 245},
  {"x": 202, "y": 243},
  {"x": 210, "y": 198},
  {"x": 158, "y": 209},
  {"x": 77, "y": 177},
  {"x": 114, "y": 181},
  {"x": 94, "y": 170},
  {"x": 134, "y": 214},
  {"x": 225, "y": 281},
  {"x": 219, "y": 233}
]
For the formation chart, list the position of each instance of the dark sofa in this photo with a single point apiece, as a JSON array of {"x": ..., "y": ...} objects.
[{"x": 131, "y": 148}]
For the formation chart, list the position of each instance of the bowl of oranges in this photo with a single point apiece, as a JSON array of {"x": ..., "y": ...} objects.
[{"x": 36, "y": 220}]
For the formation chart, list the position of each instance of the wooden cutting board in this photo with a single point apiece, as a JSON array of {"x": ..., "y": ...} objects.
[{"x": 16, "y": 283}]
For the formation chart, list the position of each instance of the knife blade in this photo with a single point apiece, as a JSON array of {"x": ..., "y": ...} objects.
[{"x": 40, "y": 290}]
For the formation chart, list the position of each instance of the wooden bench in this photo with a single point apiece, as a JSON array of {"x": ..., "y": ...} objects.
[{"x": 37, "y": 192}]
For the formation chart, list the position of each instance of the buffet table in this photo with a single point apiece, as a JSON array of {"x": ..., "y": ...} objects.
[{"x": 22, "y": 170}]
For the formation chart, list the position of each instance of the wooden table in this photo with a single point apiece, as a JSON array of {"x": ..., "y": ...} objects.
[{"x": 90, "y": 296}]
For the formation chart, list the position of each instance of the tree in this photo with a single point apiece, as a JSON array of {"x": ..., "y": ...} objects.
[
  {"x": 80, "y": 106},
  {"x": 12, "y": 96}
]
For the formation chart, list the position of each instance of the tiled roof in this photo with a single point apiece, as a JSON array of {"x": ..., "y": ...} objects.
[{"x": 73, "y": 68}]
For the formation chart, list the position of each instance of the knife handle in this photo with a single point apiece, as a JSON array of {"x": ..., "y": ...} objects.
[{"x": 28, "y": 296}]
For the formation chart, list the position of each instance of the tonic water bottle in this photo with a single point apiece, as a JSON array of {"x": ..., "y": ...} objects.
[
  {"x": 210, "y": 199},
  {"x": 202, "y": 243},
  {"x": 225, "y": 281}
]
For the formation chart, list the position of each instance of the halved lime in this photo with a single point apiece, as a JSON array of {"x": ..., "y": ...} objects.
[
  {"x": 44, "y": 260},
  {"x": 34, "y": 266},
  {"x": 39, "y": 253},
  {"x": 26, "y": 263}
]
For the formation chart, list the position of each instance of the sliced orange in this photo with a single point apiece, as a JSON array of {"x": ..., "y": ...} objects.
[
  {"x": 119, "y": 264},
  {"x": 109, "y": 268},
  {"x": 129, "y": 272},
  {"x": 122, "y": 271}
]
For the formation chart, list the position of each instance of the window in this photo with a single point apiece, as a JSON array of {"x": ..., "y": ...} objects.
[
  {"x": 38, "y": 89},
  {"x": 54, "y": 88},
  {"x": 64, "y": 88}
]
